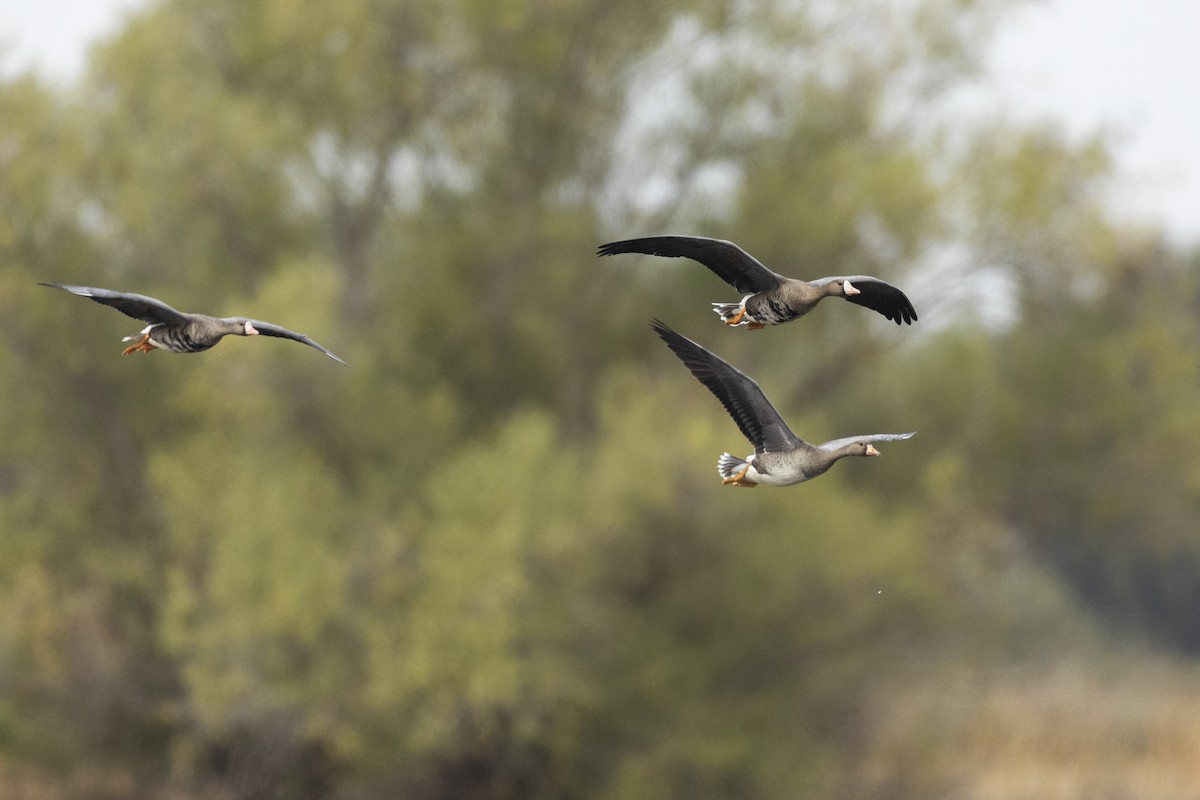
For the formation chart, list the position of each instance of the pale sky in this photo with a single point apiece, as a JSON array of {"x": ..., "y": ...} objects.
[
  {"x": 54, "y": 34},
  {"x": 1127, "y": 68}
]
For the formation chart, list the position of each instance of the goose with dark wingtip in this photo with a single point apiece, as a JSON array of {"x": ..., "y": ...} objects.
[
  {"x": 176, "y": 331},
  {"x": 770, "y": 298},
  {"x": 780, "y": 457}
]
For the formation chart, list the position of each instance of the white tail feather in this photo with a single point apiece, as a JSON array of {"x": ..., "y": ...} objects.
[
  {"x": 729, "y": 465},
  {"x": 730, "y": 311}
]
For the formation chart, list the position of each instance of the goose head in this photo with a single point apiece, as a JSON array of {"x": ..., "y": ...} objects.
[{"x": 856, "y": 449}]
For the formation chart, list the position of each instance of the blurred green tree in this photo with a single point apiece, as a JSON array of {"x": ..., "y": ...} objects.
[{"x": 492, "y": 559}]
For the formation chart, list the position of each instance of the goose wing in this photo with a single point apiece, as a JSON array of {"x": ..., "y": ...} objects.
[
  {"x": 878, "y": 295},
  {"x": 838, "y": 444},
  {"x": 138, "y": 306},
  {"x": 271, "y": 329},
  {"x": 731, "y": 263},
  {"x": 743, "y": 399}
]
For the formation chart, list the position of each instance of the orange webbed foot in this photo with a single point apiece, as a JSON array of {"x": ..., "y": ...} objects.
[
  {"x": 740, "y": 479},
  {"x": 142, "y": 344},
  {"x": 737, "y": 318}
]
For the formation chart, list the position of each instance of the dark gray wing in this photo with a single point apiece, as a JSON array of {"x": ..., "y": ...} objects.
[
  {"x": 741, "y": 396},
  {"x": 878, "y": 296},
  {"x": 838, "y": 444},
  {"x": 138, "y": 306},
  {"x": 269, "y": 329},
  {"x": 731, "y": 263}
]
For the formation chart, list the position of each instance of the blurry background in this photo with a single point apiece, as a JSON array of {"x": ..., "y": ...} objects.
[{"x": 494, "y": 560}]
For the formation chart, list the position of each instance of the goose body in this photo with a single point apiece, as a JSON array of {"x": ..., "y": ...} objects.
[
  {"x": 780, "y": 457},
  {"x": 177, "y": 331},
  {"x": 769, "y": 298}
]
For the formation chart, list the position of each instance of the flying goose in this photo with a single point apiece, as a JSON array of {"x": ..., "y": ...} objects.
[
  {"x": 780, "y": 457},
  {"x": 176, "y": 331},
  {"x": 770, "y": 298}
]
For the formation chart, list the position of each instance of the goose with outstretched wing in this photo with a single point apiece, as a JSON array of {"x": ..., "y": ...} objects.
[
  {"x": 769, "y": 298},
  {"x": 780, "y": 457},
  {"x": 179, "y": 332}
]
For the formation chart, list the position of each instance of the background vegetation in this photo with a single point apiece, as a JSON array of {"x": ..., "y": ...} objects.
[{"x": 493, "y": 559}]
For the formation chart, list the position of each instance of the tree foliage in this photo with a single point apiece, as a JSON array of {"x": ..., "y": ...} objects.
[{"x": 492, "y": 559}]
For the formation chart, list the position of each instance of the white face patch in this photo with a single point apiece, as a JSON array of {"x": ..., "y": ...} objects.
[
  {"x": 250, "y": 329},
  {"x": 849, "y": 289}
]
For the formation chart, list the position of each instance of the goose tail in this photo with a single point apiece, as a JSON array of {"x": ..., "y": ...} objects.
[
  {"x": 734, "y": 313},
  {"x": 729, "y": 466},
  {"x": 730, "y": 313}
]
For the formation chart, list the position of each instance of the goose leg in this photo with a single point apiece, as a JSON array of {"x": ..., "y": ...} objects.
[
  {"x": 736, "y": 319},
  {"x": 740, "y": 479},
  {"x": 142, "y": 344}
]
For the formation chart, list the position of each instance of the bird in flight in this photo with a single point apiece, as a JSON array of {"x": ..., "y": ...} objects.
[
  {"x": 179, "y": 332},
  {"x": 780, "y": 457},
  {"x": 770, "y": 298}
]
